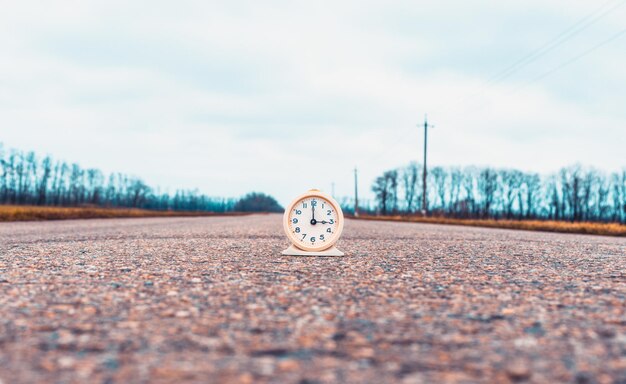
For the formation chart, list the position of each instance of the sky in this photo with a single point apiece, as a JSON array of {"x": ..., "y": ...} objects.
[{"x": 282, "y": 96}]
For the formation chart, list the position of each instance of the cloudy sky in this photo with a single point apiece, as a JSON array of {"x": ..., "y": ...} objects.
[{"x": 281, "y": 96}]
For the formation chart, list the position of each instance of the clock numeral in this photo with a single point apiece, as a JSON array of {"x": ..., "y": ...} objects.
[
  {"x": 312, "y": 239},
  {"x": 297, "y": 229},
  {"x": 295, "y": 221},
  {"x": 328, "y": 213},
  {"x": 329, "y": 230},
  {"x": 331, "y": 221},
  {"x": 304, "y": 205},
  {"x": 303, "y": 236},
  {"x": 321, "y": 237},
  {"x": 314, "y": 203},
  {"x": 298, "y": 212},
  {"x": 323, "y": 205}
]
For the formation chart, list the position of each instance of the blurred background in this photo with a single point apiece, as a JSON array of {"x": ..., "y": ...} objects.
[{"x": 223, "y": 98}]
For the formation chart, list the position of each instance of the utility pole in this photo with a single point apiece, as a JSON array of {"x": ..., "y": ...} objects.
[
  {"x": 424, "y": 173},
  {"x": 356, "y": 194}
]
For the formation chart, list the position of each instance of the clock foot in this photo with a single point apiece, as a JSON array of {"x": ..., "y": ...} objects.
[{"x": 293, "y": 251}]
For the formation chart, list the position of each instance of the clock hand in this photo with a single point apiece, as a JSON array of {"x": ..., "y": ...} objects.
[{"x": 313, "y": 221}]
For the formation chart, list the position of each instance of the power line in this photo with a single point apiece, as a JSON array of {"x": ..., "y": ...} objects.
[
  {"x": 573, "y": 30},
  {"x": 563, "y": 64},
  {"x": 564, "y": 36},
  {"x": 557, "y": 41},
  {"x": 576, "y": 58},
  {"x": 576, "y": 28}
]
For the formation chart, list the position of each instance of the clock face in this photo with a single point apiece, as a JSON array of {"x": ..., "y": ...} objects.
[{"x": 314, "y": 222}]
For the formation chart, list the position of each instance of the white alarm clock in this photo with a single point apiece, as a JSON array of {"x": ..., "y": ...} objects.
[{"x": 313, "y": 223}]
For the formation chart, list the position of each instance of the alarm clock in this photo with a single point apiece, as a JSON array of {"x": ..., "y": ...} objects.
[{"x": 313, "y": 223}]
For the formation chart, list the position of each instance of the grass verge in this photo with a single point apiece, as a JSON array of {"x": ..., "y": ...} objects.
[
  {"x": 605, "y": 229},
  {"x": 35, "y": 213}
]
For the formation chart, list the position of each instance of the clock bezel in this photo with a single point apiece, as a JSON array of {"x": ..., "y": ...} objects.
[{"x": 331, "y": 201}]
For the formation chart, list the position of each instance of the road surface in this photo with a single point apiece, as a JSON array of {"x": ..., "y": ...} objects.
[{"x": 211, "y": 300}]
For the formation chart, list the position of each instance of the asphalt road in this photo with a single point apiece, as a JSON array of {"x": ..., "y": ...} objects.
[{"x": 211, "y": 300}]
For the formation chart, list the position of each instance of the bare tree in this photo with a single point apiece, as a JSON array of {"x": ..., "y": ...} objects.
[
  {"x": 487, "y": 186},
  {"x": 25, "y": 179},
  {"x": 574, "y": 193},
  {"x": 439, "y": 177},
  {"x": 410, "y": 180},
  {"x": 386, "y": 188}
]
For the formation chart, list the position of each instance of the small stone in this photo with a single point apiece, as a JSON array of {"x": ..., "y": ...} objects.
[
  {"x": 111, "y": 363},
  {"x": 378, "y": 270},
  {"x": 148, "y": 283},
  {"x": 172, "y": 293},
  {"x": 128, "y": 324},
  {"x": 182, "y": 314},
  {"x": 168, "y": 313},
  {"x": 414, "y": 378},
  {"x": 48, "y": 365},
  {"x": 508, "y": 311},
  {"x": 606, "y": 333},
  {"x": 288, "y": 365},
  {"x": 364, "y": 353},
  {"x": 196, "y": 280},
  {"x": 307, "y": 341},
  {"x": 65, "y": 338},
  {"x": 66, "y": 362},
  {"x": 518, "y": 370},
  {"x": 90, "y": 310},
  {"x": 583, "y": 378},
  {"x": 83, "y": 328},
  {"x": 536, "y": 329},
  {"x": 245, "y": 378}
]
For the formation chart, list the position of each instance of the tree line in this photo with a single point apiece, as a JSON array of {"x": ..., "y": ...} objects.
[
  {"x": 26, "y": 179},
  {"x": 574, "y": 193}
]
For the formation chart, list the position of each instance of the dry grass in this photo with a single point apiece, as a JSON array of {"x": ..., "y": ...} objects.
[
  {"x": 606, "y": 229},
  {"x": 33, "y": 213}
]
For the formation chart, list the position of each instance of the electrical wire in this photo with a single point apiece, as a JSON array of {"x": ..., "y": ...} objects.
[
  {"x": 567, "y": 34},
  {"x": 561, "y": 38}
]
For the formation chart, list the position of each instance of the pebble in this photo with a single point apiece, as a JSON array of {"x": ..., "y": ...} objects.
[
  {"x": 182, "y": 314},
  {"x": 66, "y": 362},
  {"x": 288, "y": 365},
  {"x": 518, "y": 370}
]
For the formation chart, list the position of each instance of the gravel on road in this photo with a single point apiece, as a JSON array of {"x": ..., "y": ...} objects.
[{"x": 212, "y": 300}]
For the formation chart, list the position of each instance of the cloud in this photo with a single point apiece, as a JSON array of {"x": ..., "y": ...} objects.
[{"x": 279, "y": 96}]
